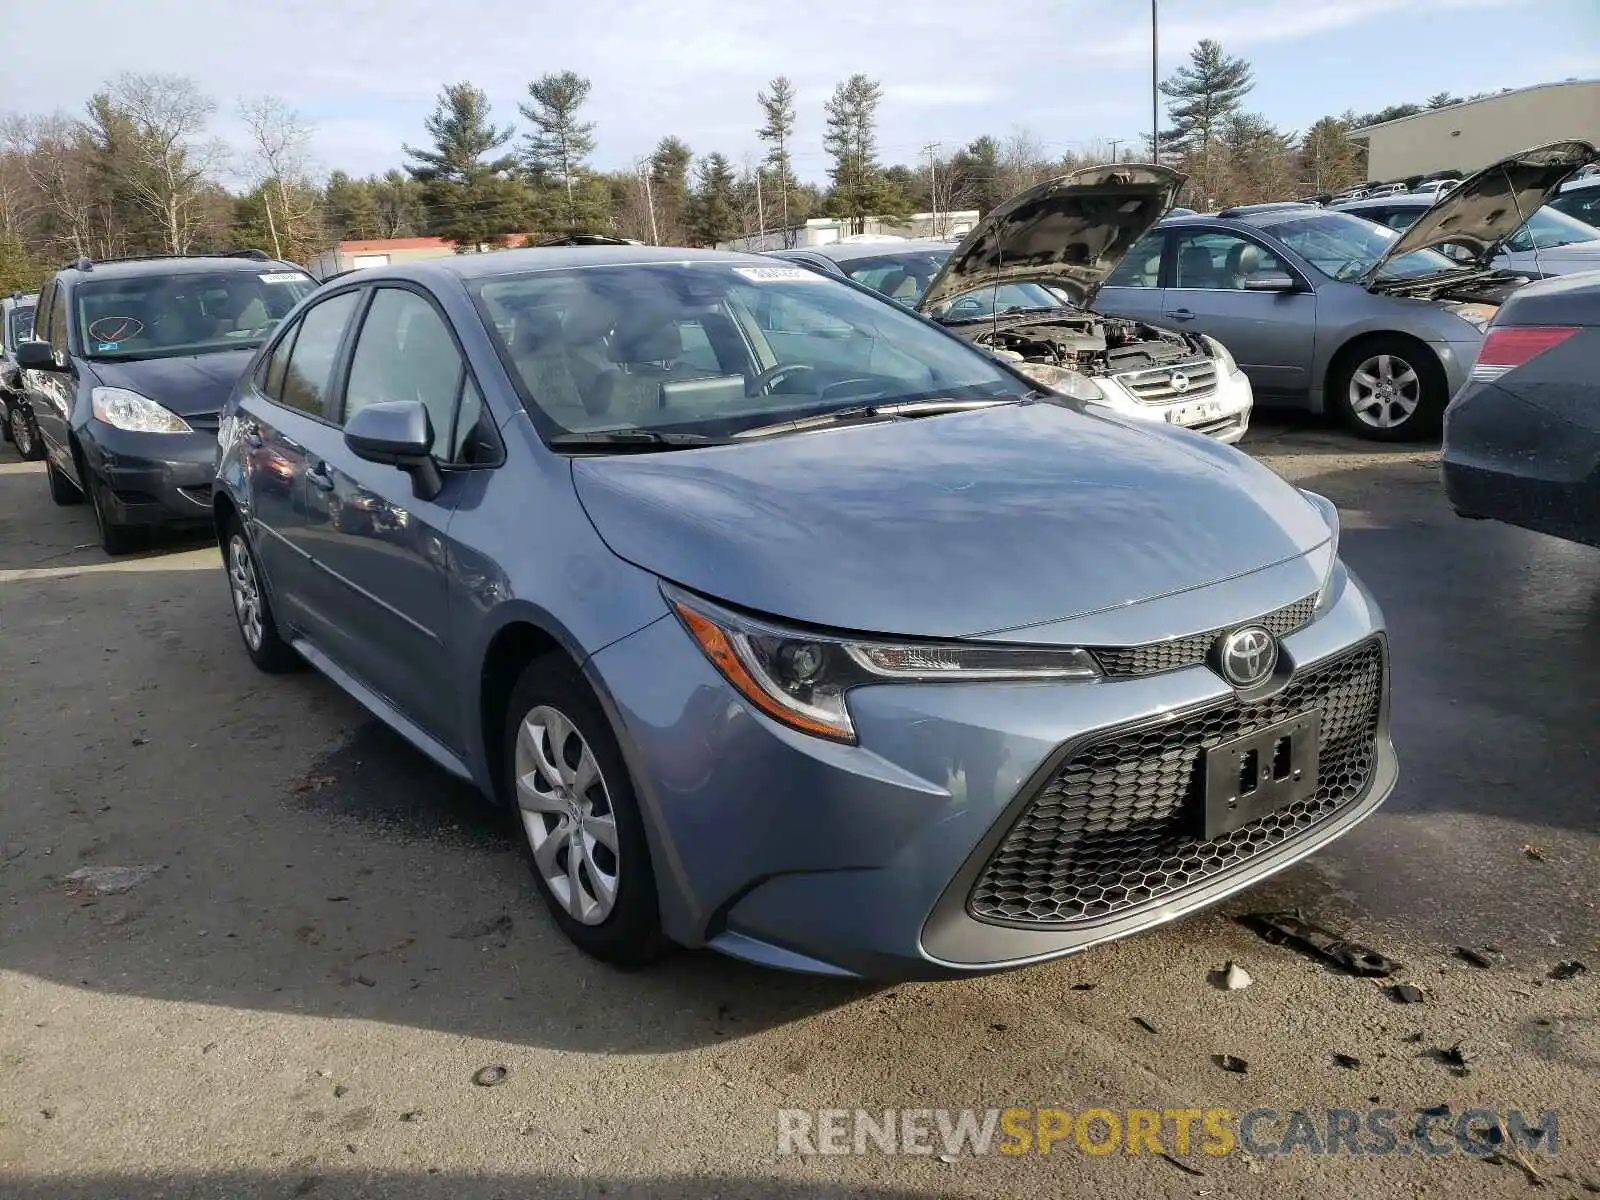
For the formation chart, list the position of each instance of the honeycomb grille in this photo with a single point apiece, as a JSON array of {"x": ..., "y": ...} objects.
[
  {"x": 1155, "y": 657},
  {"x": 1118, "y": 826}
]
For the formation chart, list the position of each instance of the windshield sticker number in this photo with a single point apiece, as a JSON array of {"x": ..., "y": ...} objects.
[
  {"x": 775, "y": 274},
  {"x": 284, "y": 277},
  {"x": 106, "y": 345}
]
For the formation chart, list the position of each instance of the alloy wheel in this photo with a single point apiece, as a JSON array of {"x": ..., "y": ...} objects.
[
  {"x": 246, "y": 591},
  {"x": 567, "y": 814},
  {"x": 1385, "y": 391},
  {"x": 19, "y": 432}
]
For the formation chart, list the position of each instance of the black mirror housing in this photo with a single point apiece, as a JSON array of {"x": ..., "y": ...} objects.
[
  {"x": 35, "y": 355},
  {"x": 397, "y": 433}
]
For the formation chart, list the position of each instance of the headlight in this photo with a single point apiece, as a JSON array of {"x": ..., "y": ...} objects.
[
  {"x": 123, "y": 409},
  {"x": 1330, "y": 514},
  {"x": 1061, "y": 381},
  {"x": 800, "y": 677},
  {"x": 1222, "y": 355},
  {"x": 1476, "y": 315}
]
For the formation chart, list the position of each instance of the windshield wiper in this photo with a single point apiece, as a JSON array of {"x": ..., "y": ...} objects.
[
  {"x": 632, "y": 440},
  {"x": 875, "y": 412}
]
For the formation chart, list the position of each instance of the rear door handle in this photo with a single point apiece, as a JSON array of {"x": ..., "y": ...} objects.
[
  {"x": 317, "y": 473},
  {"x": 1181, "y": 314}
]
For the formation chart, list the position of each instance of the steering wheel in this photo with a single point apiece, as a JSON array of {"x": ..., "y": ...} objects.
[{"x": 764, "y": 383}]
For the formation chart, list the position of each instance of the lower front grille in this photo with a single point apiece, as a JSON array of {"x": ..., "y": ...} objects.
[{"x": 1118, "y": 826}]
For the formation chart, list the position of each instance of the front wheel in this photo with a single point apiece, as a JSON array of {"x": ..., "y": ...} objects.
[
  {"x": 580, "y": 816},
  {"x": 115, "y": 537},
  {"x": 1390, "y": 389},
  {"x": 62, "y": 490}
]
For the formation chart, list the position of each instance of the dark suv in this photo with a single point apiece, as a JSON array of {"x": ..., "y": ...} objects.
[{"x": 131, "y": 362}]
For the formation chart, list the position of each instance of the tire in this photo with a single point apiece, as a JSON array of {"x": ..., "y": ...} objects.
[
  {"x": 62, "y": 490},
  {"x": 1389, "y": 389},
  {"x": 552, "y": 698},
  {"x": 115, "y": 538},
  {"x": 24, "y": 434},
  {"x": 252, "y": 610}
]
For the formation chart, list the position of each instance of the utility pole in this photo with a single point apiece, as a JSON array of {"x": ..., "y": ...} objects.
[
  {"x": 1155, "y": 78},
  {"x": 650, "y": 203},
  {"x": 1115, "y": 142},
  {"x": 761, "y": 212},
  {"x": 932, "y": 151}
]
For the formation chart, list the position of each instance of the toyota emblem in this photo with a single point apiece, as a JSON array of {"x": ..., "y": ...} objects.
[
  {"x": 1178, "y": 381},
  {"x": 1247, "y": 656}
]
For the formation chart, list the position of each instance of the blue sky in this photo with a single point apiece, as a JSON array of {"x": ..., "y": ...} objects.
[{"x": 1072, "y": 72}]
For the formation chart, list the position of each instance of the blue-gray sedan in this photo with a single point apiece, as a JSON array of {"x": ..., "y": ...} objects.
[{"x": 787, "y": 622}]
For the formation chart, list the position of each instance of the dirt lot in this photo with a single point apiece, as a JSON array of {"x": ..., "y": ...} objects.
[{"x": 335, "y": 937}]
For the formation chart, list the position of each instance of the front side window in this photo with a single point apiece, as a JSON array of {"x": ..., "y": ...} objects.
[
  {"x": 58, "y": 321},
  {"x": 607, "y": 348},
  {"x": 185, "y": 313},
  {"x": 1219, "y": 261},
  {"x": 405, "y": 352},
  {"x": 1582, "y": 203},
  {"x": 1548, "y": 228},
  {"x": 316, "y": 346}
]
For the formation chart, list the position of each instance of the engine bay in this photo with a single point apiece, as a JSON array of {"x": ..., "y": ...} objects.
[{"x": 1088, "y": 343}]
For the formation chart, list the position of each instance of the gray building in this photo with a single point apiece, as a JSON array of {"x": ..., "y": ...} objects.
[{"x": 1468, "y": 136}]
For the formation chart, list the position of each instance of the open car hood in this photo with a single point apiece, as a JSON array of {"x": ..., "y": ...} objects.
[
  {"x": 1490, "y": 206},
  {"x": 1071, "y": 232}
]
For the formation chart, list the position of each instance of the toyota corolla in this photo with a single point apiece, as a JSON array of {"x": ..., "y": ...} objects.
[{"x": 789, "y": 623}]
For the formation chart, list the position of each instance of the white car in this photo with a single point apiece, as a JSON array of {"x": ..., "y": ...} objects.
[{"x": 1022, "y": 285}]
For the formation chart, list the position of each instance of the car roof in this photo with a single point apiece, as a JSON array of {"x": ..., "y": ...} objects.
[
  {"x": 1404, "y": 200},
  {"x": 841, "y": 252},
  {"x": 556, "y": 258},
  {"x": 20, "y": 301},
  {"x": 131, "y": 268}
]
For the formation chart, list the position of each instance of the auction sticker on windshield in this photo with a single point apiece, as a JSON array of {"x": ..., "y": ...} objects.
[
  {"x": 284, "y": 277},
  {"x": 774, "y": 274}
]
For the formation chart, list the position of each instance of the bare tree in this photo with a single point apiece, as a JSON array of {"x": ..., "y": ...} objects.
[
  {"x": 280, "y": 152},
  {"x": 163, "y": 162},
  {"x": 60, "y": 168},
  {"x": 1022, "y": 162}
]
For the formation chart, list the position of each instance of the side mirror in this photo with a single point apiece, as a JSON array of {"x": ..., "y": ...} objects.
[
  {"x": 397, "y": 434},
  {"x": 1271, "y": 281},
  {"x": 37, "y": 356}
]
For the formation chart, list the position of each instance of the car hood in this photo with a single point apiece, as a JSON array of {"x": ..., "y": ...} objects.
[
  {"x": 188, "y": 386},
  {"x": 1071, "y": 232},
  {"x": 949, "y": 526},
  {"x": 1489, "y": 207}
]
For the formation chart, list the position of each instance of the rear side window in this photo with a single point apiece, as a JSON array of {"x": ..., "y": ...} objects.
[
  {"x": 311, "y": 359},
  {"x": 271, "y": 378}
]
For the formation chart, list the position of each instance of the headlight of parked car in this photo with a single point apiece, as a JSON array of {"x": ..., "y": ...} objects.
[
  {"x": 1476, "y": 315},
  {"x": 1222, "y": 355},
  {"x": 1330, "y": 514},
  {"x": 1060, "y": 380},
  {"x": 800, "y": 677},
  {"x": 123, "y": 409}
]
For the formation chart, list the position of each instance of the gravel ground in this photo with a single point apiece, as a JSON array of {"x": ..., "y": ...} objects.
[{"x": 324, "y": 937}]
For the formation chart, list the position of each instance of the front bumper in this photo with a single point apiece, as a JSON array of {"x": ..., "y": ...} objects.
[
  {"x": 860, "y": 860},
  {"x": 1517, "y": 462},
  {"x": 154, "y": 478},
  {"x": 1224, "y": 414}
]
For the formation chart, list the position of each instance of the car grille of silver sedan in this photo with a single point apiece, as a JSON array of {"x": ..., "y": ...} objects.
[
  {"x": 1169, "y": 385},
  {"x": 1117, "y": 827},
  {"x": 1154, "y": 657}
]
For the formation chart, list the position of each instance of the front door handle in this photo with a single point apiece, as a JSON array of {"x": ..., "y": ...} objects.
[
  {"x": 251, "y": 432},
  {"x": 317, "y": 473},
  {"x": 1181, "y": 314}
]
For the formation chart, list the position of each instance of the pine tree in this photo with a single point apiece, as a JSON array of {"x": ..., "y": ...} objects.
[
  {"x": 1204, "y": 95},
  {"x": 558, "y": 152},
  {"x": 852, "y": 140},
  {"x": 470, "y": 200},
  {"x": 711, "y": 209},
  {"x": 777, "y": 105},
  {"x": 669, "y": 188},
  {"x": 351, "y": 208},
  {"x": 1442, "y": 100},
  {"x": 977, "y": 173}
]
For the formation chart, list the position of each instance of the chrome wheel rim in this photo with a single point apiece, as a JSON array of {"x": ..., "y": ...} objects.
[
  {"x": 19, "y": 432},
  {"x": 567, "y": 815},
  {"x": 1385, "y": 391},
  {"x": 246, "y": 591}
]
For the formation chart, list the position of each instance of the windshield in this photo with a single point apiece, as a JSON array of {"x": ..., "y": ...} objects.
[
  {"x": 21, "y": 326},
  {"x": 905, "y": 276},
  {"x": 1343, "y": 246},
  {"x": 1548, "y": 228},
  {"x": 716, "y": 348},
  {"x": 157, "y": 316}
]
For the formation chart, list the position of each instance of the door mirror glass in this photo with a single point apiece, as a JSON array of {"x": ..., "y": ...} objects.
[
  {"x": 37, "y": 356},
  {"x": 397, "y": 433},
  {"x": 1270, "y": 281}
]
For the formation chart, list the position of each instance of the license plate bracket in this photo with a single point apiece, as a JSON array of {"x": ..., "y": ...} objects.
[{"x": 1251, "y": 776}]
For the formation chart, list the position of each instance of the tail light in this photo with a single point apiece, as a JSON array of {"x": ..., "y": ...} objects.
[{"x": 1508, "y": 347}]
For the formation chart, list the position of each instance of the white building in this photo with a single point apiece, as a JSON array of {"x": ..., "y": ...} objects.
[{"x": 825, "y": 231}]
